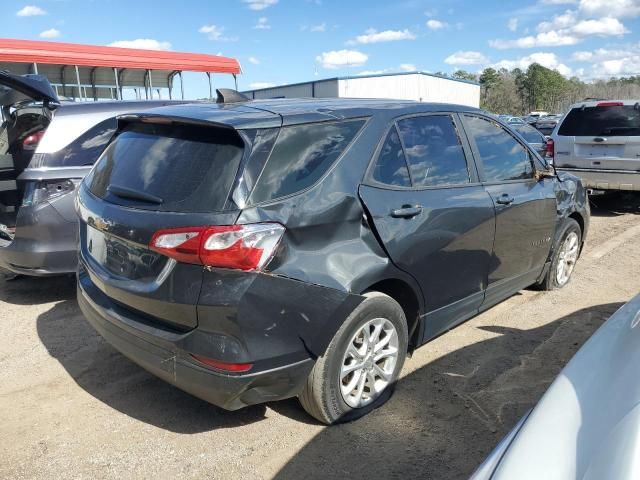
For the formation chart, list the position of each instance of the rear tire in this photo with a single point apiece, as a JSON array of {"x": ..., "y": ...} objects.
[
  {"x": 360, "y": 368},
  {"x": 565, "y": 256}
]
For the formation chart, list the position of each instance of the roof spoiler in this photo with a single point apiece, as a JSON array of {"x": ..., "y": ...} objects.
[
  {"x": 159, "y": 119},
  {"x": 227, "y": 95}
]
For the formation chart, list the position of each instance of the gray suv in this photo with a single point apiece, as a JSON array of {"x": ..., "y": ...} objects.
[
  {"x": 46, "y": 148},
  {"x": 259, "y": 250}
]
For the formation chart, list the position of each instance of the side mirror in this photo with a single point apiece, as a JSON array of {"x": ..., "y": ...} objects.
[{"x": 545, "y": 173}]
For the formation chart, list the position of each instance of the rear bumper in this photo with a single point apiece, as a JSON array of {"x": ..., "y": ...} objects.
[
  {"x": 44, "y": 244},
  {"x": 606, "y": 179},
  {"x": 166, "y": 354}
]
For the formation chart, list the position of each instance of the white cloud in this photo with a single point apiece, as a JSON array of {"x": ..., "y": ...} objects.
[
  {"x": 254, "y": 60},
  {"x": 260, "y": 4},
  {"x": 342, "y": 58},
  {"x": 408, "y": 67},
  {"x": 590, "y": 18},
  {"x": 259, "y": 85},
  {"x": 30, "y": 11},
  {"x": 611, "y": 62},
  {"x": 546, "y": 59},
  {"x": 573, "y": 34},
  {"x": 51, "y": 33},
  {"x": 512, "y": 24},
  {"x": 143, "y": 43},
  {"x": 322, "y": 27},
  {"x": 466, "y": 58},
  {"x": 434, "y": 24},
  {"x": 373, "y": 36},
  {"x": 610, "y": 8},
  {"x": 215, "y": 33},
  {"x": 263, "y": 24}
]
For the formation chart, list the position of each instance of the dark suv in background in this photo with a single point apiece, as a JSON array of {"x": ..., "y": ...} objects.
[{"x": 253, "y": 251}]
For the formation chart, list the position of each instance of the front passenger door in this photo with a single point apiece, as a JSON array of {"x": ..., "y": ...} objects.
[{"x": 525, "y": 207}]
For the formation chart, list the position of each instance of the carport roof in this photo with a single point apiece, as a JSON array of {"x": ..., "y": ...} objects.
[{"x": 56, "y": 53}]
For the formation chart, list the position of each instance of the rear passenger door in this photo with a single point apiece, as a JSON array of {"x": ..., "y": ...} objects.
[
  {"x": 434, "y": 218},
  {"x": 525, "y": 206}
]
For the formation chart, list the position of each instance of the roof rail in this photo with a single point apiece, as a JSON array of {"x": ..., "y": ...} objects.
[{"x": 228, "y": 95}]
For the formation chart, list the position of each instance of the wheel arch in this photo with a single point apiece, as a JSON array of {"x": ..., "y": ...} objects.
[{"x": 410, "y": 301}]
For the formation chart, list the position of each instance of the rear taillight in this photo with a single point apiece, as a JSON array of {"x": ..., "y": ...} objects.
[
  {"x": 240, "y": 247},
  {"x": 31, "y": 142},
  {"x": 549, "y": 149},
  {"x": 610, "y": 104}
]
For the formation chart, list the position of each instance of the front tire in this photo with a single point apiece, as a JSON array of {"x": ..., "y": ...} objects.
[
  {"x": 565, "y": 256},
  {"x": 360, "y": 368}
]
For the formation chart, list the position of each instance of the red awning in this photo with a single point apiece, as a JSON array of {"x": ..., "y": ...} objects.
[{"x": 56, "y": 53}]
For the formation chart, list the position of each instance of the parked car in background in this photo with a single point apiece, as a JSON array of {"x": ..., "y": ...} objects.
[
  {"x": 587, "y": 424},
  {"x": 599, "y": 141},
  {"x": 511, "y": 119},
  {"x": 532, "y": 136},
  {"x": 46, "y": 148},
  {"x": 546, "y": 124},
  {"x": 259, "y": 250},
  {"x": 533, "y": 117}
]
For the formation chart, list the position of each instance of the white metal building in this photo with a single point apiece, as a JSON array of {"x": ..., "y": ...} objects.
[{"x": 419, "y": 86}]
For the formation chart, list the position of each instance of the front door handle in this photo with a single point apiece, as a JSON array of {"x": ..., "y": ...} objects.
[
  {"x": 505, "y": 199},
  {"x": 407, "y": 211}
]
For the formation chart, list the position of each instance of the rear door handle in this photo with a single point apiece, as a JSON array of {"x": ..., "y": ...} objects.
[
  {"x": 505, "y": 199},
  {"x": 407, "y": 211}
]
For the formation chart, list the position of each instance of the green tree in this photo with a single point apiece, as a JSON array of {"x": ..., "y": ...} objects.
[{"x": 464, "y": 75}]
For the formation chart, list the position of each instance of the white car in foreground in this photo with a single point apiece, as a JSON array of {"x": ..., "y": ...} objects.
[{"x": 587, "y": 424}]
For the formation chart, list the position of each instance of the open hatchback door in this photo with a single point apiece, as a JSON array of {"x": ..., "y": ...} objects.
[{"x": 27, "y": 102}]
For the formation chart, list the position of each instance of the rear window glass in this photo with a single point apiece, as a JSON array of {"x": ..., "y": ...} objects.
[
  {"x": 84, "y": 150},
  {"x": 185, "y": 168},
  {"x": 302, "y": 154},
  {"x": 612, "y": 121}
]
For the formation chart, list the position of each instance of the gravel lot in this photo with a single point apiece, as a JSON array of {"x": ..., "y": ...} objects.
[{"x": 72, "y": 407}]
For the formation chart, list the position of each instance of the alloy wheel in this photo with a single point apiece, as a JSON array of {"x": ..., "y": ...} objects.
[
  {"x": 567, "y": 258},
  {"x": 369, "y": 362}
]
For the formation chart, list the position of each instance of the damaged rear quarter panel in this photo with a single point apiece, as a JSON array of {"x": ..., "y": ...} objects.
[{"x": 329, "y": 255}]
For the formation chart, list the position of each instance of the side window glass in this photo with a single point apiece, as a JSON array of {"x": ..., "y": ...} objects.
[
  {"x": 391, "y": 167},
  {"x": 503, "y": 157},
  {"x": 434, "y": 151}
]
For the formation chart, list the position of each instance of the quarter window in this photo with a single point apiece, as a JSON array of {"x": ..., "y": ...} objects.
[
  {"x": 503, "y": 157},
  {"x": 391, "y": 166},
  {"x": 301, "y": 156},
  {"x": 434, "y": 151}
]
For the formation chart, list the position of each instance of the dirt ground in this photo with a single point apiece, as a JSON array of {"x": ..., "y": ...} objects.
[{"x": 72, "y": 407}]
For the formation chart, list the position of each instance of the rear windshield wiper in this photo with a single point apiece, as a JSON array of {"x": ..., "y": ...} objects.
[{"x": 131, "y": 194}]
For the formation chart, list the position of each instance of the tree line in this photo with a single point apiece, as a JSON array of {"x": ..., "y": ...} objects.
[{"x": 518, "y": 92}]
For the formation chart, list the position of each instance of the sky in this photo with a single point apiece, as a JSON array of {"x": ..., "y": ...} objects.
[{"x": 287, "y": 41}]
